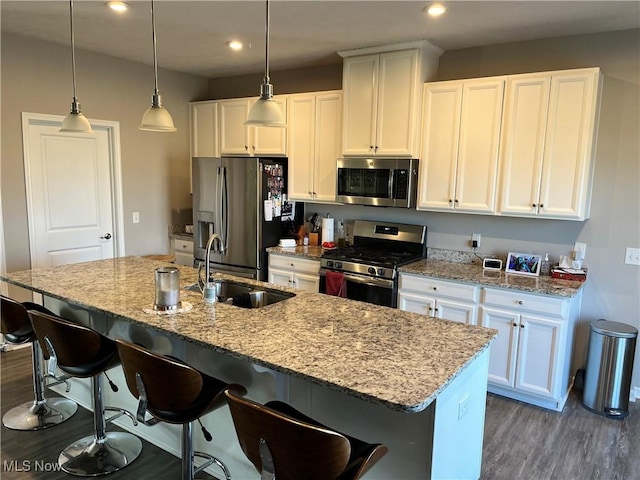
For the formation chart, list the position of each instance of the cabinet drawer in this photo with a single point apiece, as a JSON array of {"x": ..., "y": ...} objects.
[
  {"x": 439, "y": 288},
  {"x": 525, "y": 302},
  {"x": 183, "y": 246},
  {"x": 296, "y": 264}
]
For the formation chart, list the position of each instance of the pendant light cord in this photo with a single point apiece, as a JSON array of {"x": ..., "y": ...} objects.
[
  {"x": 266, "y": 54},
  {"x": 155, "y": 55},
  {"x": 73, "y": 55}
]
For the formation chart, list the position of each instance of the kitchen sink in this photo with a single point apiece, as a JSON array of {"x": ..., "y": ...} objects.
[{"x": 243, "y": 295}]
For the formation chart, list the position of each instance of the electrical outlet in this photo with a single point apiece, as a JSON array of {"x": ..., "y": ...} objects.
[
  {"x": 632, "y": 256},
  {"x": 579, "y": 251},
  {"x": 136, "y": 217},
  {"x": 463, "y": 406},
  {"x": 475, "y": 240}
]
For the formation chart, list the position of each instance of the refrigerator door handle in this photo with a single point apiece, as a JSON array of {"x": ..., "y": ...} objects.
[{"x": 225, "y": 212}]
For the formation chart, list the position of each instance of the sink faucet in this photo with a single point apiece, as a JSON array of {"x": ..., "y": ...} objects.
[{"x": 212, "y": 238}]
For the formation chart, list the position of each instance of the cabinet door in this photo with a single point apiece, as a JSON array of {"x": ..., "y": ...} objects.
[
  {"x": 301, "y": 140},
  {"x": 477, "y": 166},
  {"x": 538, "y": 355},
  {"x": 410, "y": 302},
  {"x": 307, "y": 282},
  {"x": 456, "y": 311},
  {"x": 568, "y": 150},
  {"x": 234, "y": 134},
  {"x": 265, "y": 141},
  {"x": 397, "y": 105},
  {"x": 503, "y": 357},
  {"x": 327, "y": 145},
  {"x": 441, "y": 124},
  {"x": 360, "y": 86},
  {"x": 283, "y": 278},
  {"x": 522, "y": 148},
  {"x": 204, "y": 129}
]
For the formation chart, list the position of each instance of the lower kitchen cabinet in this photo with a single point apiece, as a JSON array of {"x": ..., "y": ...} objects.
[
  {"x": 290, "y": 271},
  {"x": 183, "y": 250},
  {"x": 438, "y": 298},
  {"x": 531, "y": 358}
]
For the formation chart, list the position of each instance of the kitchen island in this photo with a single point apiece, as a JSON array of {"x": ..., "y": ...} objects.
[{"x": 415, "y": 383}]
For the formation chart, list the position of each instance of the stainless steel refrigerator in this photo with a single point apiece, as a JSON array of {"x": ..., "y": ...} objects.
[{"x": 240, "y": 199}]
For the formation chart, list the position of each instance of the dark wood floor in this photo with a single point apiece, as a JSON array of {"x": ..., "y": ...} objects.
[{"x": 521, "y": 441}]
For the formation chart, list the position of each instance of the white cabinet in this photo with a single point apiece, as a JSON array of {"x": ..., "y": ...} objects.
[
  {"x": 290, "y": 271},
  {"x": 203, "y": 124},
  {"x": 183, "y": 250},
  {"x": 530, "y": 360},
  {"x": 548, "y": 143},
  {"x": 438, "y": 298},
  {"x": 314, "y": 123},
  {"x": 236, "y": 138},
  {"x": 382, "y": 100},
  {"x": 461, "y": 138}
]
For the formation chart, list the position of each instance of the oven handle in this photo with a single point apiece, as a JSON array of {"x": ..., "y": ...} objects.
[{"x": 375, "y": 282}]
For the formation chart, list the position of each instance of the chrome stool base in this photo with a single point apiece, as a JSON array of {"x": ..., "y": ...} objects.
[
  {"x": 39, "y": 415},
  {"x": 89, "y": 457}
]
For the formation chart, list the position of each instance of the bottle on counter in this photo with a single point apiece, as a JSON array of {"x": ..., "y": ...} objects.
[
  {"x": 340, "y": 235},
  {"x": 545, "y": 267}
]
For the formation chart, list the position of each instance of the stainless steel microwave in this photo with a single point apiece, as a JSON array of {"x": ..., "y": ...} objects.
[{"x": 383, "y": 182}]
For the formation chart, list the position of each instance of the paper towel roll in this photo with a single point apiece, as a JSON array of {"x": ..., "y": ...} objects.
[{"x": 327, "y": 229}]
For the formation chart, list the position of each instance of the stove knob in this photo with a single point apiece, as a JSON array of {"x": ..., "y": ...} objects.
[
  {"x": 338, "y": 264},
  {"x": 371, "y": 270},
  {"x": 381, "y": 271},
  {"x": 329, "y": 263}
]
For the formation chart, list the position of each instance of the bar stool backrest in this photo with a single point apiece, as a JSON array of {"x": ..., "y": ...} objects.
[
  {"x": 170, "y": 385},
  {"x": 13, "y": 316},
  {"x": 75, "y": 345},
  {"x": 299, "y": 450}
]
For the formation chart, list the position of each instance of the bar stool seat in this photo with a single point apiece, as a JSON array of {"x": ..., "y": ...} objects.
[
  {"x": 82, "y": 352},
  {"x": 284, "y": 444},
  {"x": 42, "y": 412},
  {"x": 174, "y": 392}
]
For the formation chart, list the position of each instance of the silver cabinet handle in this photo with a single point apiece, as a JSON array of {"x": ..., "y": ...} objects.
[{"x": 106, "y": 236}]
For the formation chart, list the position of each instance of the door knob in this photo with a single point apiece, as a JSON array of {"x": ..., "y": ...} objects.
[{"x": 106, "y": 236}]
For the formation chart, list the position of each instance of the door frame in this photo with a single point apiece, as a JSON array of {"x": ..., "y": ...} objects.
[{"x": 115, "y": 168}]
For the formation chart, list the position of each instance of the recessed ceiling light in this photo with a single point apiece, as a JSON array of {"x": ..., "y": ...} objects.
[
  {"x": 436, "y": 10},
  {"x": 234, "y": 45},
  {"x": 118, "y": 6}
]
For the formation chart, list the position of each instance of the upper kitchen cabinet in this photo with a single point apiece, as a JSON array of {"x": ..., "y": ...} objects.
[
  {"x": 314, "y": 126},
  {"x": 460, "y": 145},
  {"x": 548, "y": 143},
  {"x": 236, "y": 138},
  {"x": 203, "y": 124},
  {"x": 381, "y": 103}
]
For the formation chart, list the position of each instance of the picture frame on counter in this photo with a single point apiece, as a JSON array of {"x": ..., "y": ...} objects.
[{"x": 523, "y": 264}]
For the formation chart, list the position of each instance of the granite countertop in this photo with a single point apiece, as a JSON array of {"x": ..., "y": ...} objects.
[
  {"x": 397, "y": 359},
  {"x": 475, "y": 274},
  {"x": 314, "y": 252}
]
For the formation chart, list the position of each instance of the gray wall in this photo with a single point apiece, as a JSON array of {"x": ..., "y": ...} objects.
[
  {"x": 36, "y": 77},
  {"x": 613, "y": 288}
]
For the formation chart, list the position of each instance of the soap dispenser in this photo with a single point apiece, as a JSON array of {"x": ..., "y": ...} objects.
[{"x": 544, "y": 266}]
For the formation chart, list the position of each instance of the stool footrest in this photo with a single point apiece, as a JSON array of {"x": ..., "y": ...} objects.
[
  {"x": 210, "y": 461},
  {"x": 120, "y": 412}
]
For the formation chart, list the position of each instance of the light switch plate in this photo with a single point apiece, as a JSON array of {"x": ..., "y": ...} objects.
[
  {"x": 579, "y": 251},
  {"x": 632, "y": 256}
]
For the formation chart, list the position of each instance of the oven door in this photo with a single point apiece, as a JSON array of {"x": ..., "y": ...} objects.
[{"x": 379, "y": 291}]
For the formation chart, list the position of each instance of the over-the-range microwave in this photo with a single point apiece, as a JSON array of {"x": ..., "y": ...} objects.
[{"x": 383, "y": 182}]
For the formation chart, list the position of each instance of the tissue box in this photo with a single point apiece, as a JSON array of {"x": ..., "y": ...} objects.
[{"x": 564, "y": 275}]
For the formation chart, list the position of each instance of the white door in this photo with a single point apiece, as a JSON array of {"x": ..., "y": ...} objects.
[
  {"x": 457, "y": 311},
  {"x": 502, "y": 360},
  {"x": 73, "y": 191}
]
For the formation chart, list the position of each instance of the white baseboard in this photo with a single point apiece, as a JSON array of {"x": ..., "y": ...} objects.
[{"x": 635, "y": 394}]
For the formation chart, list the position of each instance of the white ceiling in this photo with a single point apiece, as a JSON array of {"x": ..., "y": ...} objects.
[{"x": 191, "y": 35}]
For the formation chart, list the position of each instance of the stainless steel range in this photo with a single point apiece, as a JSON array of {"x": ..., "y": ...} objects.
[{"x": 370, "y": 265}]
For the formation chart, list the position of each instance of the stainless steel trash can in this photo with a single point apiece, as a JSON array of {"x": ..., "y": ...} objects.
[{"x": 607, "y": 379}]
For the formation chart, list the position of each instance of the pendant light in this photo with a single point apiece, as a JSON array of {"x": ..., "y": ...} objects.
[
  {"x": 266, "y": 112},
  {"x": 75, "y": 121},
  {"x": 156, "y": 118}
]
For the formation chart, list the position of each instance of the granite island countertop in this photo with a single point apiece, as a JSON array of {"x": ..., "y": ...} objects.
[
  {"x": 397, "y": 359},
  {"x": 475, "y": 274}
]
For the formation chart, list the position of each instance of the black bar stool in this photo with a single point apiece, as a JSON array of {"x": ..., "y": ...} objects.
[
  {"x": 82, "y": 352},
  {"x": 174, "y": 392},
  {"x": 284, "y": 444},
  {"x": 41, "y": 412}
]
